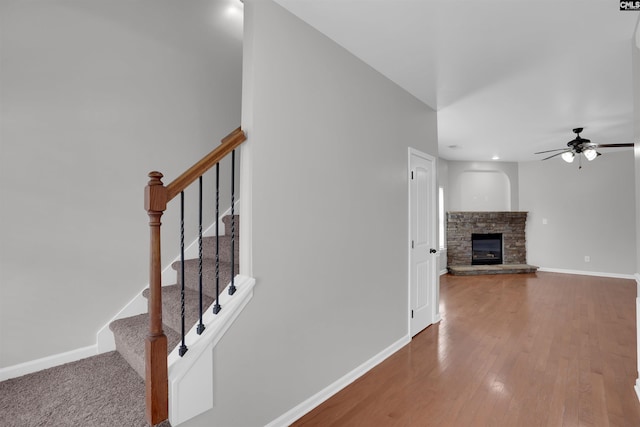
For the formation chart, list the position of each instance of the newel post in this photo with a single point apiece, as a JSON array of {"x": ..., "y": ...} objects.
[{"x": 156, "y": 377}]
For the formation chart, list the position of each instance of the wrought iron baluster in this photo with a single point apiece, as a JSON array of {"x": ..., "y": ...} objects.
[
  {"x": 183, "y": 347},
  {"x": 217, "y": 307},
  {"x": 232, "y": 286},
  {"x": 200, "y": 328}
]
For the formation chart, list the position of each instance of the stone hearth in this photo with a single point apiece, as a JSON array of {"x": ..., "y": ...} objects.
[{"x": 460, "y": 227}]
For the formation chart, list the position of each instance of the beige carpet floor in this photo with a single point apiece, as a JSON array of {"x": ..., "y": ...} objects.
[{"x": 98, "y": 391}]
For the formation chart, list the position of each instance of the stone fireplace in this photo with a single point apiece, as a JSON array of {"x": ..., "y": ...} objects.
[{"x": 489, "y": 228}]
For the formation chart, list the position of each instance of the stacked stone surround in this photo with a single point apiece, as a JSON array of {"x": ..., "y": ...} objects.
[{"x": 460, "y": 226}]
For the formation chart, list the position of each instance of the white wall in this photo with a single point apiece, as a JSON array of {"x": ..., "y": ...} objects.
[
  {"x": 589, "y": 212},
  {"x": 443, "y": 181},
  {"x": 636, "y": 103},
  {"x": 483, "y": 186},
  {"x": 95, "y": 94},
  {"x": 329, "y": 138},
  {"x": 635, "y": 56}
]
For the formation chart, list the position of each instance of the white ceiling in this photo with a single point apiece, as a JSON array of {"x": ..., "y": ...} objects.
[{"x": 507, "y": 77}]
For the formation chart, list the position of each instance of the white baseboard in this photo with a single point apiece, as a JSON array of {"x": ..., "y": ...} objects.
[
  {"x": 586, "y": 273},
  {"x": 47, "y": 362},
  {"x": 303, "y": 408}
]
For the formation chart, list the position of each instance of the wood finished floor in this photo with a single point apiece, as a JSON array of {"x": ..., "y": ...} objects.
[{"x": 540, "y": 349}]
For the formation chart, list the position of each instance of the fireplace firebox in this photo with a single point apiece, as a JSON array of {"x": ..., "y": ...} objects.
[{"x": 486, "y": 249}]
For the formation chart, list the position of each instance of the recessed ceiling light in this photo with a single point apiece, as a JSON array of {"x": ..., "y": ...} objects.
[{"x": 495, "y": 158}]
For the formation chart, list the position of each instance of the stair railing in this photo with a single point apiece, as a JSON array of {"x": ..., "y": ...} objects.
[{"x": 156, "y": 198}]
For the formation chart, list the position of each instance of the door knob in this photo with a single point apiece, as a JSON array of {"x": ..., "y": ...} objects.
[{"x": 432, "y": 251}]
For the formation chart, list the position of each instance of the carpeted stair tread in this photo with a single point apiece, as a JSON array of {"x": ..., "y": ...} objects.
[
  {"x": 171, "y": 307},
  {"x": 227, "y": 225},
  {"x": 130, "y": 334},
  {"x": 209, "y": 248},
  {"x": 191, "y": 268}
]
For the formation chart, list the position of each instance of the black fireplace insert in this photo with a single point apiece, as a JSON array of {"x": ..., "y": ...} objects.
[{"x": 486, "y": 248}]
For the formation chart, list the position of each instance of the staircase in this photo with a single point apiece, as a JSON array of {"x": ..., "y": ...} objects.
[
  {"x": 177, "y": 383},
  {"x": 130, "y": 332},
  {"x": 174, "y": 358}
]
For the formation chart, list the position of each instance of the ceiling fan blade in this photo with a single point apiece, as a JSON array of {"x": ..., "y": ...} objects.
[
  {"x": 557, "y": 154},
  {"x": 549, "y": 151},
  {"x": 627, "y": 144}
]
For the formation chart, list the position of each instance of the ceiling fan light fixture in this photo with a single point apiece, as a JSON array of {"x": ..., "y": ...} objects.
[
  {"x": 590, "y": 153},
  {"x": 579, "y": 146},
  {"x": 568, "y": 156}
]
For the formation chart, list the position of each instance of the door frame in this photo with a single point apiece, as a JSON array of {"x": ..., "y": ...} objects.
[{"x": 435, "y": 273}]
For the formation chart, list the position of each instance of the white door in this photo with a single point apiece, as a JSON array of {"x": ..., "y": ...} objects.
[{"x": 423, "y": 279}]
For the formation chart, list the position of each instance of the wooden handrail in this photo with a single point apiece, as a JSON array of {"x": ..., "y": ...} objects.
[
  {"x": 229, "y": 143},
  {"x": 156, "y": 197}
]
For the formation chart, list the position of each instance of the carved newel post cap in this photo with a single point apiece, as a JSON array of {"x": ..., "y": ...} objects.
[
  {"x": 155, "y": 178},
  {"x": 155, "y": 194}
]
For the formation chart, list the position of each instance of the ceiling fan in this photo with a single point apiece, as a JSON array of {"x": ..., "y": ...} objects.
[{"x": 579, "y": 146}]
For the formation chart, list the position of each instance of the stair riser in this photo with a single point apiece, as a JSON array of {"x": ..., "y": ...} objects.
[
  {"x": 209, "y": 248},
  {"x": 136, "y": 362},
  {"x": 227, "y": 225},
  {"x": 171, "y": 315},
  {"x": 208, "y": 276},
  {"x": 129, "y": 334},
  {"x": 171, "y": 307}
]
